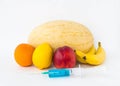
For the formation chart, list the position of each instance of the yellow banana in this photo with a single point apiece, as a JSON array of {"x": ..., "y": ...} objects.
[
  {"x": 95, "y": 58},
  {"x": 80, "y": 54},
  {"x": 92, "y": 50}
]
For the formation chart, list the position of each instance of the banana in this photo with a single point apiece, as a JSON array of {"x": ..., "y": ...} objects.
[
  {"x": 92, "y": 50},
  {"x": 96, "y": 58},
  {"x": 81, "y": 54}
]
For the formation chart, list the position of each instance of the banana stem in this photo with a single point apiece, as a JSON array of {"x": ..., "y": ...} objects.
[{"x": 99, "y": 44}]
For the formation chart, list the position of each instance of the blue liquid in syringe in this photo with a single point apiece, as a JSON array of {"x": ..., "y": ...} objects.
[{"x": 54, "y": 73}]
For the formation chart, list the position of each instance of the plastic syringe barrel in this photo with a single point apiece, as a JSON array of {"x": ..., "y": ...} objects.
[{"x": 53, "y": 73}]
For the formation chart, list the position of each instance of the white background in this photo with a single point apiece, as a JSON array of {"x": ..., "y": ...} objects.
[{"x": 19, "y": 17}]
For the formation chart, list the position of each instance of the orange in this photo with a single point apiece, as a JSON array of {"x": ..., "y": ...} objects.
[{"x": 23, "y": 54}]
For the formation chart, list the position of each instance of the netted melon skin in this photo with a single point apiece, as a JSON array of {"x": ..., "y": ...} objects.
[{"x": 62, "y": 33}]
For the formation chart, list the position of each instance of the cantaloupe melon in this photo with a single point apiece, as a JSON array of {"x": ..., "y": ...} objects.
[{"x": 62, "y": 33}]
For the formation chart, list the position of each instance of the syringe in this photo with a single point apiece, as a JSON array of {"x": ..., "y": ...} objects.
[{"x": 53, "y": 73}]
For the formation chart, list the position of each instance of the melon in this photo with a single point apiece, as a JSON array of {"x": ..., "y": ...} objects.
[{"x": 62, "y": 33}]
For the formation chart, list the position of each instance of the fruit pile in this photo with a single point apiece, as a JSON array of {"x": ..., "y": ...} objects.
[
  {"x": 64, "y": 57},
  {"x": 43, "y": 55},
  {"x": 63, "y": 48}
]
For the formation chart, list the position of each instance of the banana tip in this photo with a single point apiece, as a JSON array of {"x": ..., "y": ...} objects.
[
  {"x": 84, "y": 57},
  {"x": 99, "y": 44}
]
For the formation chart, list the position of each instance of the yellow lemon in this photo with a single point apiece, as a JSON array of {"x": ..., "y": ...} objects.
[{"x": 42, "y": 56}]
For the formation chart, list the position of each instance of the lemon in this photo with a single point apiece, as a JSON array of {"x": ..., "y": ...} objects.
[{"x": 42, "y": 56}]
